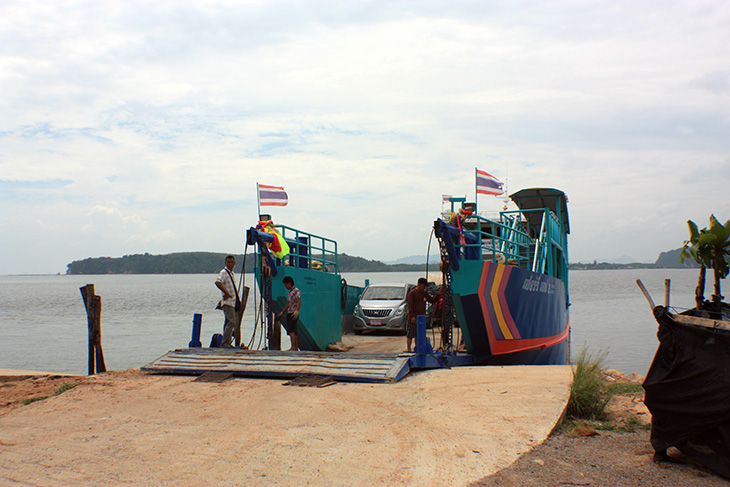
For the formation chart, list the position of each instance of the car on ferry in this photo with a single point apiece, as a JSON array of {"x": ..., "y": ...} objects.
[{"x": 382, "y": 307}]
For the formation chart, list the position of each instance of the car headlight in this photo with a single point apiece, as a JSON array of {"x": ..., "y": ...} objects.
[
  {"x": 357, "y": 310},
  {"x": 399, "y": 312}
]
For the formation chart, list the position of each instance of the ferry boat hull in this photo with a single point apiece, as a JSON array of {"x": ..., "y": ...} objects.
[
  {"x": 510, "y": 315},
  {"x": 507, "y": 279}
]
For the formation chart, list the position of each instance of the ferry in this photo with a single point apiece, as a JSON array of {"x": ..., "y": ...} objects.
[
  {"x": 507, "y": 279},
  {"x": 505, "y": 299}
]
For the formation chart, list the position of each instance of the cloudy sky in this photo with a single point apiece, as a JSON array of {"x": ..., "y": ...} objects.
[{"x": 130, "y": 127}]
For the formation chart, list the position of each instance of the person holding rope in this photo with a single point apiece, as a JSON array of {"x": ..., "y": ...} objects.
[
  {"x": 292, "y": 312},
  {"x": 230, "y": 303},
  {"x": 416, "y": 301}
]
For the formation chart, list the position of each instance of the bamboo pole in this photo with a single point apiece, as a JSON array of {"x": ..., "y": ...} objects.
[
  {"x": 646, "y": 293},
  {"x": 239, "y": 316}
]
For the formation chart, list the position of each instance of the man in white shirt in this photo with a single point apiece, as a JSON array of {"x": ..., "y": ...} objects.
[{"x": 227, "y": 284}]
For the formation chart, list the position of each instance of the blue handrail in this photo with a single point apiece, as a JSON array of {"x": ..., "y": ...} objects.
[{"x": 310, "y": 251}]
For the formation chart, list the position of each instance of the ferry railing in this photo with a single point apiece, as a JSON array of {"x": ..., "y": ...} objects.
[
  {"x": 494, "y": 238},
  {"x": 306, "y": 249},
  {"x": 550, "y": 239}
]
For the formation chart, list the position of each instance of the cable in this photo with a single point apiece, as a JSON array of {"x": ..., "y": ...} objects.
[{"x": 428, "y": 258}]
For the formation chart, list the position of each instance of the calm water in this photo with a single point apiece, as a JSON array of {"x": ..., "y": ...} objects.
[{"x": 43, "y": 320}]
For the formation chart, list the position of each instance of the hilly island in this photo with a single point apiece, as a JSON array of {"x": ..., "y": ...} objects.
[{"x": 211, "y": 262}]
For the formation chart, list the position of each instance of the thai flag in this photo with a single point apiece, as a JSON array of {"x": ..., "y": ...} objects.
[
  {"x": 445, "y": 198},
  {"x": 272, "y": 195},
  {"x": 488, "y": 184}
]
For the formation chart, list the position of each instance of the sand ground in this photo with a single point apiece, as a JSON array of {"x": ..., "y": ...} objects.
[{"x": 440, "y": 427}]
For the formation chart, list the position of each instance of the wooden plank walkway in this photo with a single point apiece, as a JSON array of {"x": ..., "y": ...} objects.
[{"x": 348, "y": 367}]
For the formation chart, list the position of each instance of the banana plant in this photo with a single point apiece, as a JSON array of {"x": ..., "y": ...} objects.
[{"x": 710, "y": 248}]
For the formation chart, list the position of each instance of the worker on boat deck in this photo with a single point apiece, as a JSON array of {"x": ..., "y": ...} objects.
[
  {"x": 416, "y": 301},
  {"x": 230, "y": 303},
  {"x": 292, "y": 311}
]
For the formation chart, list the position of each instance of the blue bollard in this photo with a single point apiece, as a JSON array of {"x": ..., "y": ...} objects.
[
  {"x": 197, "y": 322},
  {"x": 423, "y": 345}
]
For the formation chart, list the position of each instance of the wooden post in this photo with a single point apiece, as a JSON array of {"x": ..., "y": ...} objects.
[
  {"x": 274, "y": 332},
  {"x": 667, "y": 286},
  {"x": 237, "y": 330},
  {"x": 93, "y": 318}
]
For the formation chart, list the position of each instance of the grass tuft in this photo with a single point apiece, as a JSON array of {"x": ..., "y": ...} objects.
[
  {"x": 64, "y": 387},
  {"x": 588, "y": 392},
  {"x": 34, "y": 399},
  {"x": 621, "y": 388}
]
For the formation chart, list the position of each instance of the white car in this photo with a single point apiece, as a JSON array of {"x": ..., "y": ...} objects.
[{"x": 382, "y": 307}]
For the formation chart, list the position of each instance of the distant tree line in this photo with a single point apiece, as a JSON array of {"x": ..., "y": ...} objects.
[
  {"x": 212, "y": 262},
  {"x": 208, "y": 263}
]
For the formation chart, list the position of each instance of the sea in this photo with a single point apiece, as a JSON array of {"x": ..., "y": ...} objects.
[{"x": 43, "y": 323}]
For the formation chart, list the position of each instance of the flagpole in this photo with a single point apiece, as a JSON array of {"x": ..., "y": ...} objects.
[
  {"x": 258, "y": 202},
  {"x": 476, "y": 192},
  {"x": 506, "y": 178}
]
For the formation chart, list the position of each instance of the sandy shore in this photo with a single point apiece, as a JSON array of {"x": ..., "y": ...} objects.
[{"x": 441, "y": 427}]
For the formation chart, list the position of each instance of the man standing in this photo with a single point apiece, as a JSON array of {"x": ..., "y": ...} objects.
[
  {"x": 230, "y": 302},
  {"x": 292, "y": 311},
  {"x": 416, "y": 301}
]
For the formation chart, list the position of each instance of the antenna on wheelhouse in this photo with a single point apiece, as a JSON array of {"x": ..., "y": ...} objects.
[{"x": 505, "y": 194}]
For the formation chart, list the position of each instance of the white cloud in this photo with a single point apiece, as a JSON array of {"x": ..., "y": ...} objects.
[{"x": 164, "y": 115}]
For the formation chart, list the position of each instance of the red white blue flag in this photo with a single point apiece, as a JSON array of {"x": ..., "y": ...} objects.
[
  {"x": 488, "y": 184},
  {"x": 272, "y": 195},
  {"x": 445, "y": 198}
]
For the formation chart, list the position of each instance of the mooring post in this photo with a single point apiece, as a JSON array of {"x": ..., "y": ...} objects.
[
  {"x": 422, "y": 343},
  {"x": 195, "y": 339},
  {"x": 93, "y": 318},
  {"x": 239, "y": 316},
  {"x": 275, "y": 333}
]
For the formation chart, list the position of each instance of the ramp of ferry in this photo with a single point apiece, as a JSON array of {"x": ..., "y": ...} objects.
[{"x": 341, "y": 366}]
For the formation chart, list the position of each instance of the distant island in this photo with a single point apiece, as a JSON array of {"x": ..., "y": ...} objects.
[
  {"x": 212, "y": 262},
  {"x": 666, "y": 260}
]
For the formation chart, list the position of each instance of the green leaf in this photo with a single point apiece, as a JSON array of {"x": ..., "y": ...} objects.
[
  {"x": 694, "y": 234},
  {"x": 694, "y": 254},
  {"x": 717, "y": 229},
  {"x": 706, "y": 239}
]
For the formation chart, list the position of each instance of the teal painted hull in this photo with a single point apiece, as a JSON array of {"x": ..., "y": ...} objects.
[{"x": 320, "y": 317}]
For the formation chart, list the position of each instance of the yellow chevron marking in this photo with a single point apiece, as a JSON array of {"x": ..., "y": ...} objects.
[{"x": 494, "y": 294}]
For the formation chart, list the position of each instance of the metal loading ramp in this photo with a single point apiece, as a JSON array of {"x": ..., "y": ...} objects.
[{"x": 347, "y": 367}]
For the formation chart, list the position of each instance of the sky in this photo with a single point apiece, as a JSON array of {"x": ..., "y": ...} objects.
[{"x": 132, "y": 126}]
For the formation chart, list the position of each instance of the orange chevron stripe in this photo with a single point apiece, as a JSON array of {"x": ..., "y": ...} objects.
[{"x": 494, "y": 294}]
